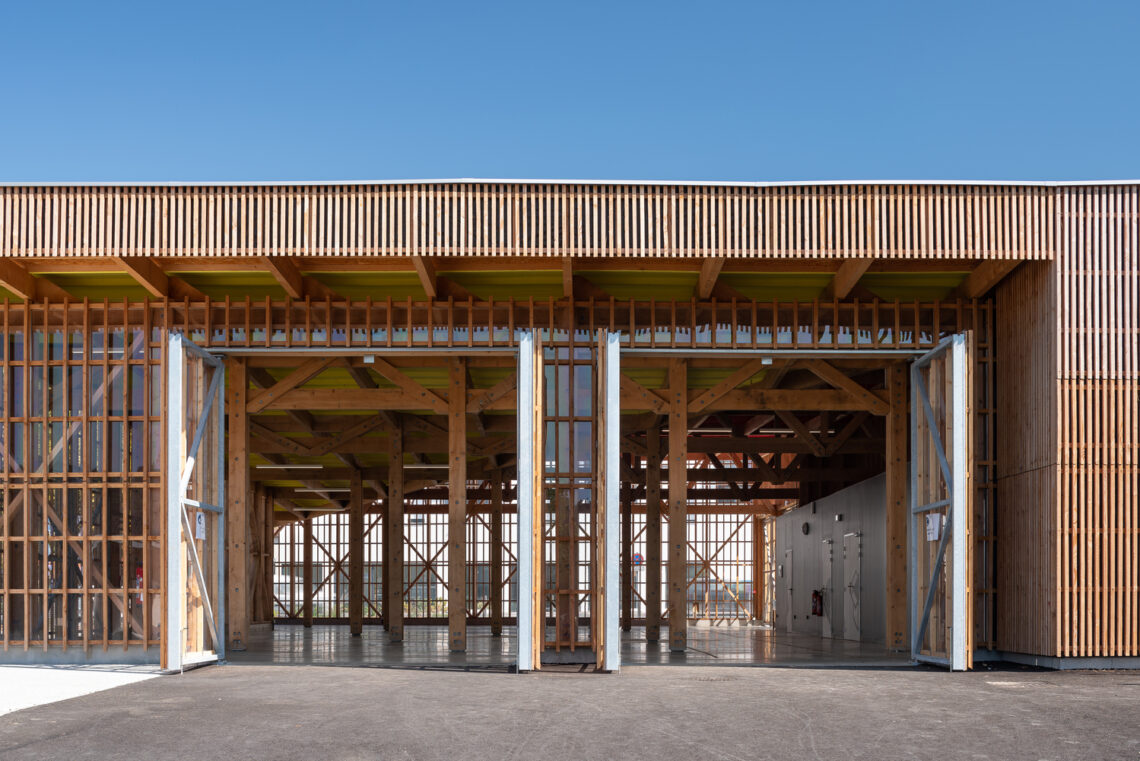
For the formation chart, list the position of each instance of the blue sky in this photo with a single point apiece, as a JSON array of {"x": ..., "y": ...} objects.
[{"x": 201, "y": 91}]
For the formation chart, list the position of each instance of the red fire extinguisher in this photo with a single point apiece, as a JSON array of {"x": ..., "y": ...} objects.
[{"x": 816, "y": 602}]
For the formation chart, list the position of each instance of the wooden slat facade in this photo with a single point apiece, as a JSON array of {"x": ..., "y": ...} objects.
[
  {"x": 891, "y": 221},
  {"x": 1069, "y": 527}
]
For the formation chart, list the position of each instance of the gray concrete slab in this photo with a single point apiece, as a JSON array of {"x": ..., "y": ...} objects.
[{"x": 658, "y": 713}]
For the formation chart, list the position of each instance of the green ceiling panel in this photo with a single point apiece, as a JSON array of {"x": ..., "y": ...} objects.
[
  {"x": 783, "y": 286},
  {"x": 100, "y": 285},
  {"x": 377, "y": 285},
  {"x": 907, "y": 286},
  {"x": 641, "y": 284},
  {"x": 506, "y": 284}
]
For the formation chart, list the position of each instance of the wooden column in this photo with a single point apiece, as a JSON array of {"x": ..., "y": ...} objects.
[
  {"x": 307, "y": 572},
  {"x": 238, "y": 497},
  {"x": 267, "y": 580},
  {"x": 897, "y": 423},
  {"x": 759, "y": 553},
  {"x": 627, "y": 555},
  {"x": 457, "y": 508},
  {"x": 355, "y": 554},
  {"x": 497, "y": 555},
  {"x": 385, "y": 515},
  {"x": 678, "y": 492},
  {"x": 394, "y": 538},
  {"x": 653, "y": 535}
]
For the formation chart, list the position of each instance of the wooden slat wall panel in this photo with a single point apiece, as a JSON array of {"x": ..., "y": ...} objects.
[
  {"x": 489, "y": 219},
  {"x": 1068, "y": 522},
  {"x": 1026, "y": 322},
  {"x": 1098, "y": 520}
]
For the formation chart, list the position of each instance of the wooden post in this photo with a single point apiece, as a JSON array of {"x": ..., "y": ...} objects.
[
  {"x": 653, "y": 535},
  {"x": 238, "y": 505},
  {"x": 307, "y": 572},
  {"x": 678, "y": 489},
  {"x": 394, "y": 538},
  {"x": 267, "y": 580},
  {"x": 627, "y": 555},
  {"x": 382, "y": 603},
  {"x": 897, "y": 420},
  {"x": 757, "y": 567},
  {"x": 457, "y": 510},
  {"x": 355, "y": 554},
  {"x": 497, "y": 555}
]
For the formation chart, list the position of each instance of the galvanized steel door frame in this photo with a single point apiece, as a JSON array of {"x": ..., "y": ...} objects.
[
  {"x": 178, "y": 477},
  {"x": 955, "y": 470}
]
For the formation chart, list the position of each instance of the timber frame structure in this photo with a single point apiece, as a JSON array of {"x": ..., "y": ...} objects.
[{"x": 366, "y": 351}]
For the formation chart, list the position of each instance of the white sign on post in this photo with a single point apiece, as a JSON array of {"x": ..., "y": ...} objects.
[
  {"x": 933, "y": 526},
  {"x": 200, "y": 526}
]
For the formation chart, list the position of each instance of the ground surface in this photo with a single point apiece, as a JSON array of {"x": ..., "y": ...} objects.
[
  {"x": 26, "y": 686},
  {"x": 649, "y": 712}
]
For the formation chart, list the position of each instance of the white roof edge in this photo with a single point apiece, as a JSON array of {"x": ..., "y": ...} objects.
[{"x": 495, "y": 181}]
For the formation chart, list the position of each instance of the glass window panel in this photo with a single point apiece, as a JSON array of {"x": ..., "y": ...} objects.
[
  {"x": 138, "y": 343},
  {"x": 17, "y": 506},
  {"x": 75, "y": 391},
  {"x": 95, "y": 512},
  {"x": 95, "y": 408},
  {"x": 117, "y": 343},
  {"x": 563, "y": 393},
  {"x": 36, "y": 618},
  {"x": 583, "y": 447},
  {"x": 95, "y": 564},
  {"x": 76, "y": 345},
  {"x": 37, "y": 344},
  {"x": 55, "y": 508},
  {"x": 95, "y": 447},
  {"x": 35, "y": 564},
  {"x": 115, "y": 392},
  {"x": 56, "y": 451},
  {"x": 55, "y": 564},
  {"x": 16, "y": 345},
  {"x": 37, "y": 386},
  {"x": 95, "y": 616},
  {"x": 75, "y": 447},
  {"x": 75, "y": 512},
  {"x": 35, "y": 499},
  {"x": 56, "y": 391},
  {"x": 138, "y": 446},
  {"x": 114, "y": 511},
  {"x": 16, "y": 391},
  {"x": 115, "y": 448},
  {"x": 16, "y": 447},
  {"x": 583, "y": 390},
  {"x": 36, "y": 455},
  {"x": 156, "y": 390},
  {"x": 75, "y": 617},
  {"x": 115, "y": 564},
  {"x": 135, "y": 512},
  {"x": 137, "y": 390}
]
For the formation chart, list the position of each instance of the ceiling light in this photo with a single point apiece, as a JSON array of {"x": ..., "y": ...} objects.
[
  {"x": 322, "y": 491},
  {"x": 426, "y": 466},
  {"x": 289, "y": 466}
]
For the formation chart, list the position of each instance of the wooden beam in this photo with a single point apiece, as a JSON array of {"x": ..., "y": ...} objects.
[
  {"x": 394, "y": 539},
  {"x": 16, "y": 278},
  {"x": 296, "y": 284},
  {"x": 746, "y": 371},
  {"x": 706, "y": 279},
  {"x": 646, "y": 398},
  {"x": 896, "y": 518},
  {"x": 840, "y": 380},
  {"x": 653, "y": 534},
  {"x": 984, "y": 277},
  {"x": 425, "y": 268},
  {"x": 678, "y": 526},
  {"x": 494, "y": 394},
  {"x": 568, "y": 277},
  {"x": 846, "y": 278},
  {"x": 815, "y": 446},
  {"x": 412, "y": 388},
  {"x": 457, "y": 512},
  {"x": 238, "y": 494},
  {"x": 329, "y": 443},
  {"x": 356, "y": 555},
  {"x": 303, "y": 374}
]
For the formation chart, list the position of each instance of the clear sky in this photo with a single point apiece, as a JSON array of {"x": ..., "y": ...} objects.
[{"x": 234, "y": 91}]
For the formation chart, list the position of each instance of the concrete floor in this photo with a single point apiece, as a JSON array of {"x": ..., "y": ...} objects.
[
  {"x": 27, "y": 686},
  {"x": 660, "y": 713},
  {"x": 427, "y": 647}
]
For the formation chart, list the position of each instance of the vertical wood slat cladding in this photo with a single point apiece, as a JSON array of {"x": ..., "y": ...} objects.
[
  {"x": 1098, "y": 521},
  {"x": 524, "y": 219},
  {"x": 1069, "y": 526}
]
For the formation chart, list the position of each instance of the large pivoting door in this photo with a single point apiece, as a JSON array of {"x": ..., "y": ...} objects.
[
  {"x": 531, "y": 611},
  {"x": 941, "y": 510},
  {"x": 607, "y": 483},
  {"x": 195, "y": 516}
]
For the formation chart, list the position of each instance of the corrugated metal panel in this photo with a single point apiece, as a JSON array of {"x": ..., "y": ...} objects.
[{"x": 918, "y": 221}]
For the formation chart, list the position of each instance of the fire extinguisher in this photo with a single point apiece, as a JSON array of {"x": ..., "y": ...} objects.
[
  {"x": 816, "y": 602},
  {"x": 138, "y": 583}
]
